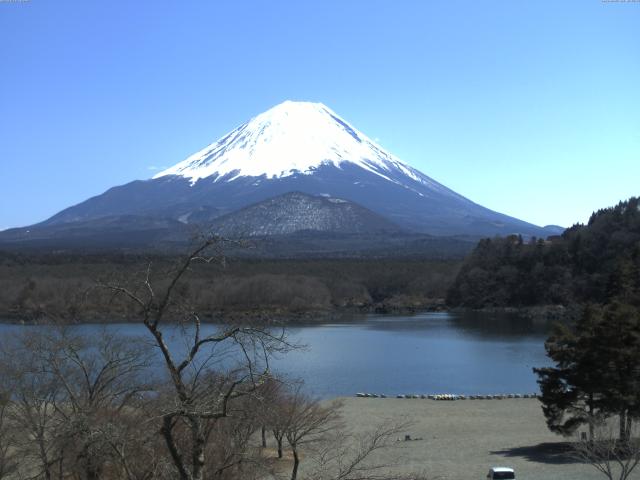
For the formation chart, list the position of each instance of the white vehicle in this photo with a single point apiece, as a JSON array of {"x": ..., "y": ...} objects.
[{"x": 501, "y": 473}]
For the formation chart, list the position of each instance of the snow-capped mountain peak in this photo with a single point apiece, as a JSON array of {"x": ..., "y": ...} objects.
[
  {"x": 290, "y": 138},
  {"x": 294, "y": 147}
]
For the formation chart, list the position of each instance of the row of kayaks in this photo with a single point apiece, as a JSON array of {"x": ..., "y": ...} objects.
[{"x": 450, "y": 396}]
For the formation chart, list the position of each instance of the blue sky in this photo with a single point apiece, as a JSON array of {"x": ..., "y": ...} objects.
[{"x": 531, "y": 108}]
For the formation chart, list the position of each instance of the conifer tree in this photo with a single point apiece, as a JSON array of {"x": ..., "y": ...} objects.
[
  {"x": 597, "y": 372},
  {"x": 571, "y": 390},
  {"x": 618, "y": 351}
]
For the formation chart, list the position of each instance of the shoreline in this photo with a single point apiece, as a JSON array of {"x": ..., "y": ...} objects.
[{"x": 279, "y": 317}]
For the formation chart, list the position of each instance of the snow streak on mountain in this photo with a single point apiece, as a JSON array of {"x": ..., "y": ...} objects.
[{"x": 292, "y": 138}]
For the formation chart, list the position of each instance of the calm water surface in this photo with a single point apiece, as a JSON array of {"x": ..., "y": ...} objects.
[{"x": 426, "y": 353}]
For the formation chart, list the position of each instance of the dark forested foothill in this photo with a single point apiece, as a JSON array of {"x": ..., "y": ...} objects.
[{"x": 587, "y": 263}]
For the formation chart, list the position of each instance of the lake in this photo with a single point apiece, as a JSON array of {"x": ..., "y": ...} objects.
[{"x": 469, "y": 353}]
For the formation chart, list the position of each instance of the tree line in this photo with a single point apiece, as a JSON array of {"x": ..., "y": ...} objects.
[
  {"x": 33, "y": 285},
  {"x": 587, "y": 264}
]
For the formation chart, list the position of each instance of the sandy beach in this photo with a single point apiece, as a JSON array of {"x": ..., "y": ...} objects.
[{"x": 463, "y": 439}]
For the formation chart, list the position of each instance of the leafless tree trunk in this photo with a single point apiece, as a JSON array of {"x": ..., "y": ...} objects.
[
  {"x": 194, "y": 404},
  {"x": 267, "y": 396},
  {"x": 278, "y": 435},
  {"x": 304, "y": 420}
]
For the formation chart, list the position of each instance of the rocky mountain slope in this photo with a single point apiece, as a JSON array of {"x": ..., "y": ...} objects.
[{"x": 295, "y": 212}]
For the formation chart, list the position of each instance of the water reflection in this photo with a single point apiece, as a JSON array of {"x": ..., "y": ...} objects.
[
  {"x": 427, "y": 353},
  {"x": 496, "y": 325},
  {"x": 478, "y": 324}
]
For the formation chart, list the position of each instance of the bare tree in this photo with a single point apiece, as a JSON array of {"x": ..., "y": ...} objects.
[
  {"x": 278, "y": 429},
  {"x": 615, "y": 458},
  {"x": 8, "y": 460},
  {"x": 68, "y": 393},
  {"x": 305, "y": 421},
  {"x": 100, "y": 378},
  {"x": 344, "y": 456},
  {"x": 136, "y": 448},
  {"x": 314, "y": 428},
  {"x": 214, "y": 370},
  {"x": 273, "y": 415},
  {"x": 233, "y": 452},
  {"x": 268, "y": 395},
  {"x": 33, "y": 396}
]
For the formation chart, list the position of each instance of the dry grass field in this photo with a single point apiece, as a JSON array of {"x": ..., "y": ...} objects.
[{"x": 463, "y": 439}]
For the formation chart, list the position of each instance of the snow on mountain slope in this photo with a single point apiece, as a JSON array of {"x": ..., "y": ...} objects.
[
  {"x": 293, "y": 138},
  {"x": 295, "y": 147},
  {"x": 297, "y": 211}
]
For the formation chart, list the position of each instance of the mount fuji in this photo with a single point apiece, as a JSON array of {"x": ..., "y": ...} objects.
[{"x": 293, "y": 147}]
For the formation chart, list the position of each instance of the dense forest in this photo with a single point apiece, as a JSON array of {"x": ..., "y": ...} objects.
[
  {"x": 35, "y": 286},
  {"x": 588, "y": 264}
]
